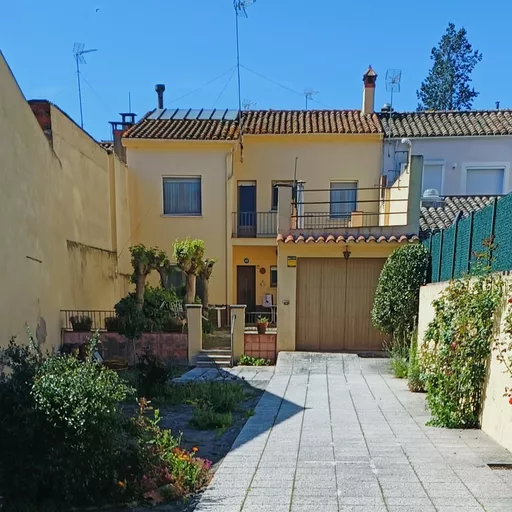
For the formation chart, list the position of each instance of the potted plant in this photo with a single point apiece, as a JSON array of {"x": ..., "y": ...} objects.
[
  {"x": 81, "y": 323},
  {"x": 112, "y": 323},
  {"x": 262, "y": 324}
]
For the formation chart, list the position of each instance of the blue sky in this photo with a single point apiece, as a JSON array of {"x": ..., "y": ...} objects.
[{"x": 324, "y": 45}]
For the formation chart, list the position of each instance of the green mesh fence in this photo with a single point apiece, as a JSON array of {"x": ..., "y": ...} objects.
[
  {"x": 434, "y": 253},
  {"x": 448, "y": 253},
  {"x": 482, "y": 230},
  {"x": 502, "y": 256},
  {"x": 462, "y": 253}
]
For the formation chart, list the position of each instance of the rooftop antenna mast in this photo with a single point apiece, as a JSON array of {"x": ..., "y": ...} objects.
[
  {"x": 240, "y": 7},
  {"x": 248, "y": 104},
  {"x": 393, "y": 79},
  {"x": 78, "y": 54},
  {"x": 308, "y": 94}
]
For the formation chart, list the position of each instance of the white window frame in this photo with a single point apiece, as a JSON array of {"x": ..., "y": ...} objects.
[
  {"x": 356, "y": 201},
  {"x": 485, "y": 165},
  {"x": 174, "y": 215},
  {"x": 434, "y": 161}
]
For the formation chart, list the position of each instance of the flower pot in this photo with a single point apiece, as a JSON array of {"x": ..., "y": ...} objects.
[
  {"x": 81, "y": 323},
  {"x": 262, "y": 327}
]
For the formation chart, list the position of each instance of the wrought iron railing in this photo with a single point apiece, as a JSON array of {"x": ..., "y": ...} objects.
[
  {"x": 97, "y": 318},
  {"x": 252, "y": 317},
  {"x": 254, "y": 224}
]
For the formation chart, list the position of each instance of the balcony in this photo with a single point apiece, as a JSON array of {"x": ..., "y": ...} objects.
[{"x": 254, "y": 224}]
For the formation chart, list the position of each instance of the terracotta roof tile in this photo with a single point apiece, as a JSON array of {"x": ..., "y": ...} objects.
[
  {"x": 441, "y": 217},
  {"x": 257, "y": 122},
  {"x": 447, "y": 123},
  {"x": 341, "y": 239}
]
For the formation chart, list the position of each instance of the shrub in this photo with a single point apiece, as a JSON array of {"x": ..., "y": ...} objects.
[
  {"x": 415, "y": 379},
  {"x": 457, "y": 346},
  {"x": 154, "y": 317},
  {"x": 207, "y": 326},
  {"x": 396, "y": 299},
  {"x": 113, "y": 324},
  {"x": 206, "y": 418},
  {"x": 152, "y": 375},
  {"x": 399, "y": 361},
  {"x": 253, "y": 361}
]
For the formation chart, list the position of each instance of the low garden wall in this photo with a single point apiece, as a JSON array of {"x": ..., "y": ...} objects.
[
  {"x": 496, "y": 416},
  {"x": 260, "y": 345},
  {"x": 165, "y": 345}
]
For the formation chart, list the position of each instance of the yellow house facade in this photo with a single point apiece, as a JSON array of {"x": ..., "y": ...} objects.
[{"x": 265, "y": 190}]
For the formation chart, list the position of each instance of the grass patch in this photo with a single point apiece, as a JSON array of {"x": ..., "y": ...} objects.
[
  {"x": 400, "y": 367},
  {"x": 206, "y": 418}
]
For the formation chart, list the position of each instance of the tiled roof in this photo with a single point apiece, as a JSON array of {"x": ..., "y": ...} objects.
[
  {"x": 340, "y": 239},
  {"x": 257, "y": 122},
  {"x": 447, "y": 123},
  {"x": 433, "y": 219}
]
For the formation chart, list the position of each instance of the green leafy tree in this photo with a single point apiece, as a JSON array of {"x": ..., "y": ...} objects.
[
  {"x": 189, "y": 257},
  {"x": 447, "y": 84},
  {"x": 204, "y": 274},
  {"x": 397, "y": 296}
]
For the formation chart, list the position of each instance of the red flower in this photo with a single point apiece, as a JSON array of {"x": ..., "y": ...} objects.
[
  {"x": 510, "y": 400},
  {"x": 510, "y": 300}
]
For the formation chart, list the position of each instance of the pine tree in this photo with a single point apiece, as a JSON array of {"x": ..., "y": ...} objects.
[{"x": 447, "y": 84}]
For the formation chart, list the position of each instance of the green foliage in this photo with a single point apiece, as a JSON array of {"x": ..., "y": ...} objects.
[
  {"x": 206, "y": 418},
  {"x": 396, "y": 299},
  {"x": 113, "y": 324},
  {"x": 447, "y": 84},
  {"x": 262, "y": 320},
  {"x": 189, "y": 254},
  {"x": 151, "y": 375},
  {"x": 253, "y": 361},
  {"x": 208, "y": 326},
  {"x": 503, "y": 348},
  {"x": 155, "y": 315},
  {"x": 63, "y": 440},
  {"x": 457, "y": 346},
  {"x": 414, "y": 377},
  {"x": 146, "y": 259}
]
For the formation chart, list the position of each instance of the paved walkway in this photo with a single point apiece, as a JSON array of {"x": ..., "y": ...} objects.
[
  {"x": 256, "y": 376},
  {"x": 339, "y": 433}
]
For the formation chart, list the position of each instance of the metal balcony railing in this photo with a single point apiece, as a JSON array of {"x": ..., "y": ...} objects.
[{"x": 254, "y": 224}]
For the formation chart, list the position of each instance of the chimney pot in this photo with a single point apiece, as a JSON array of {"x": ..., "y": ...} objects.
[
  {"x": 160, "y": 88},
  {"x": 369, "y": 79}
]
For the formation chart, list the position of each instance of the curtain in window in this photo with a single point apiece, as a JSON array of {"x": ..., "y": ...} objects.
[
  {"x": 182, "y": 196},
  {"x": 343, "y": 199}
]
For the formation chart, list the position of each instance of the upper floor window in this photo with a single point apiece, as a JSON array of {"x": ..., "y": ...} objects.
[
  {"x": 182, "y": 196},
  {"x": 433, "y": 176},
  {"x": 484, "y": 181},
  {"x": 343, "y": 198}
]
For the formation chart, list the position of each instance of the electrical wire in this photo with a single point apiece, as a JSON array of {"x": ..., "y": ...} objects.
[
  {"x": 224, "y": 88},
  {"x": 102, "y": 101},
  {"x": 289, "y": 89},
  {"x": 204, "y": 85}
]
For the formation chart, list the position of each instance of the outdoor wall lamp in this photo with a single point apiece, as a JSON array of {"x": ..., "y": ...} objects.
[{"x": 346, "y": 254}]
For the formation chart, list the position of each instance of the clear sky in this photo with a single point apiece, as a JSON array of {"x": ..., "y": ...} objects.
[{"x": 325, "y": 45}]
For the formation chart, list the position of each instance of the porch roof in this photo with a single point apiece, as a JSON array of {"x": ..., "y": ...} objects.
[{"x": 341, "y": 239}]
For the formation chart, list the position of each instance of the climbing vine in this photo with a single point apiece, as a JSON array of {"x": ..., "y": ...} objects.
[
  {"x": 504, "y": 348},
  {"x": 458, "y": 343}
]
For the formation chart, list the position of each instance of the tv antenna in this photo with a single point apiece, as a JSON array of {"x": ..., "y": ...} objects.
[
  {"x": 393, "y": 78},
  {"x": 248, "y": 104},
  {"x": 240, "y": 7},
  {"x": 308, "y": 94},
  {"x": 78, "y": 54}
]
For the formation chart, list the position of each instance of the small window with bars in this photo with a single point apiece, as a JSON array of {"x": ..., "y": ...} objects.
[{"x": 182, "y": 196}]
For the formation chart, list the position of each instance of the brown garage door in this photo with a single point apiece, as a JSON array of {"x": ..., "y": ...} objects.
[{"x": 334, "y": 300}]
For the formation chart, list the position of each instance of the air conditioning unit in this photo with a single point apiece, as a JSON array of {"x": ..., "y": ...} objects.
[{"x": 432, "y": 199}]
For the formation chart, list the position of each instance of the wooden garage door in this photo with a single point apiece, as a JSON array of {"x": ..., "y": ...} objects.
[{"x": 334, "y": 301}]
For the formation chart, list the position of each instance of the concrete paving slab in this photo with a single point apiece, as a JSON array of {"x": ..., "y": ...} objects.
[{"x": 337, "y": 433}]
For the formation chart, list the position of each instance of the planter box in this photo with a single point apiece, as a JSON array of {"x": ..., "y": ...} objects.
[
  {"x": 165, "y": 345},
  {"x": 260, "y": 345}
]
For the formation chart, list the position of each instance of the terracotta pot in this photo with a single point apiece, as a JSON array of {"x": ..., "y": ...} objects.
[{"x": 262, "y": 327}]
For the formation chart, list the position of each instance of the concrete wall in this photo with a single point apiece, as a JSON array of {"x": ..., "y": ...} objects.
[
  {"x": 57, "y": 248},
  {"x": 287, "y": 290},
  {"x": 496, "y": 418},
  {"x": 456, "y": 153},
  {"x": 394, "y": 208},
  {"x": 150, "y": 162}
]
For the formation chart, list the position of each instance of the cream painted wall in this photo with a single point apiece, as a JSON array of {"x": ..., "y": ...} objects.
[
  {"x": 496, "y": 417},
  {"x": 394, "y": 208},
  {"x": 287, "y": 290},
  {"x": 150, "y": 161},
  {"x": 55, "y": 221},
  {"x": 321, "y": 159}
]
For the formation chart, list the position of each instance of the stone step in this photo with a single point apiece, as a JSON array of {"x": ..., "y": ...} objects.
[{"x": 221, "y": 358}]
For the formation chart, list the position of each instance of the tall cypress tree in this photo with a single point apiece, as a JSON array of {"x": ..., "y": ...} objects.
[{"x": 447, "y": 84}]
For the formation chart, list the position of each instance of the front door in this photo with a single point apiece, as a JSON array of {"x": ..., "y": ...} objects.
[
  {"x": 246, "y": 286},
  {"x": 246, "y": 218}
]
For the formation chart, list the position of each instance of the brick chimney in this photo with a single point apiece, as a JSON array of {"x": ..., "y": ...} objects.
[
  {"x": 369, "y": 79},
  {"x": 42, "y": 111},
  {"x": 118, "y": 129}
]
